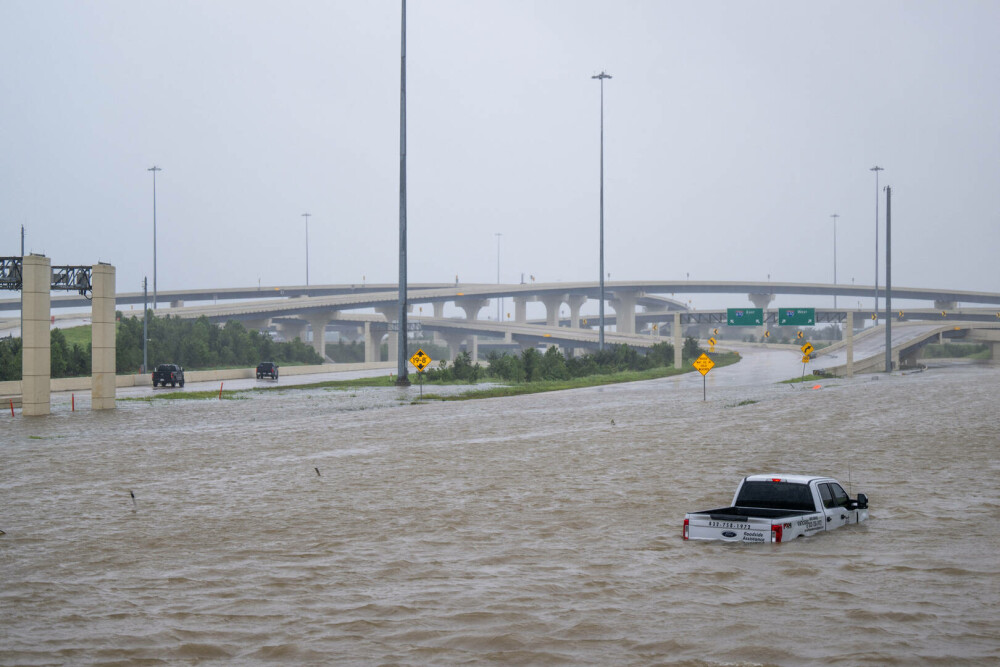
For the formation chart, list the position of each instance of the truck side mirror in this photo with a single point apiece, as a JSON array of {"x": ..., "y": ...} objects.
[{"x": 862, "y": 501}]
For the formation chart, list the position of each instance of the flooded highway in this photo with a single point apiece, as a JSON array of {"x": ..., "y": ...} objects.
[{"x": 321, "y": 526}]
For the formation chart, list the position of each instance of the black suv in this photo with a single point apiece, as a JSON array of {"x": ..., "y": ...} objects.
[{"x": 267, "y": 369}]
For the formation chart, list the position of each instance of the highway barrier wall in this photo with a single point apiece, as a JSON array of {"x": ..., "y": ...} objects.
[{"x": 12, "y": 389}]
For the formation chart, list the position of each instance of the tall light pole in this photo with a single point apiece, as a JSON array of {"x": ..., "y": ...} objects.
[
  {"x": 402, "y": 376},
  {"x": 154, "y": 169},
  {"x": 306, "y": 216},
  {"x": 876, "y": 169},
  {"x": 601, "y": 77},
  {"x": 835, "y": 216},
  {"x": 499, "y": 299},
  {"x": 888, "y": 278}
]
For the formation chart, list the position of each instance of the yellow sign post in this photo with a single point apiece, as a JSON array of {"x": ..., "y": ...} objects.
[
  {"x": 703, "y": 365},
  {"x": 807, "y": 349},
  {"x": 421, "y": 360},
  {"x": 711, "y": 344}
]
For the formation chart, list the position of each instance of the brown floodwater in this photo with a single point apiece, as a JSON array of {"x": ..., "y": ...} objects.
[{"x": 541, "y": 529}]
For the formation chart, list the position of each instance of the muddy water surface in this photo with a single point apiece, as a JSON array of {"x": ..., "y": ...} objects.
[{"x": 542, "y": 529}]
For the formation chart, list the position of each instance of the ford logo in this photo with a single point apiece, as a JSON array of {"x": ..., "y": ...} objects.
[{"x": 728, "y": 533}]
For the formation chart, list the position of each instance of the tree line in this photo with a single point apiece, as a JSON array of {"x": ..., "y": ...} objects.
[
  {"x": 534, "y": 366},
  {"x": 192, "y": 344}
]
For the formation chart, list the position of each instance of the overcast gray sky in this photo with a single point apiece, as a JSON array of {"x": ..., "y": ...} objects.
[{"x": 733, "y": 131}]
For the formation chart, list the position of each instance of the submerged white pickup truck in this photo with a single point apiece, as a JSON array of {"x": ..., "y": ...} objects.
[{"x": 778, "y": 508}]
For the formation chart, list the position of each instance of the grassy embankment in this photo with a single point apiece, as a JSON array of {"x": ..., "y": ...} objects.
[{"x": 492, "y": 392}]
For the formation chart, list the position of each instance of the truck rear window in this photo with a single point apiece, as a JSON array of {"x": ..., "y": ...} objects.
[{"x": 776, "y": 495}]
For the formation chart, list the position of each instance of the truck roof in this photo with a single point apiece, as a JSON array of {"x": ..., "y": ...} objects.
[{"x": 782, "y": 477}]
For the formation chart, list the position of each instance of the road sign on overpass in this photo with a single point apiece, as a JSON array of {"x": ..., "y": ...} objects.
[
  {"x": 797, "y": 317},
  {"x": 744, "y": 317}
]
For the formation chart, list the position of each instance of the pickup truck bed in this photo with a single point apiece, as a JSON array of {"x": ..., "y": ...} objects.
[
  {"x": 778, "y": 508},
  {"x": 744, "y": 513}
]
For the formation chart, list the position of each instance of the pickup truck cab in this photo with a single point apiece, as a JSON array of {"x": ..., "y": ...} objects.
[
  {"x": 778, "y": 508},
  {"x": 171, "y": 373}
]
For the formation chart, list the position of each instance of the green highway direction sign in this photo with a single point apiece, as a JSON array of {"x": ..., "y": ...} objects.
[
  {"x": 744, "y": 317},
  {"x": 794, "y": 317}
]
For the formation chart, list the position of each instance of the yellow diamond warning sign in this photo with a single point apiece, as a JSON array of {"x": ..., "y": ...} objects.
[
  {"x": 420, "y": 360},
  {"x": 703, "y": 364}
]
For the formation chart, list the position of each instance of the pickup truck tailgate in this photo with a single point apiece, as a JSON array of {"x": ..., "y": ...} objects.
[{"x": 727, "y": 529}]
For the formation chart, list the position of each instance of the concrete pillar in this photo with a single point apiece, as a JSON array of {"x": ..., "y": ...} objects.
[
  {"x": 454, "y": 342},
  {"x": 994, "y": 353},
  {"x": 177, "y": 304},
  {"x": 946, "y": 305},
  {"x": 391, "y": 314},
  {"x": 373, "y": 351},
  {"x": 258, "y": 324},
  {"x": 520, "y": 310},
  {"x": 439, "y": 309},
  {"x": 624, "y": 305},
  {"x": 678, "y": 343},
  {"x": 575, "y": 302},
  {"x": 552, "y": 302},
  {"x": 292, "y": 329},
  {"x": 761, "y": 300},
  {"x": 850, "y": 344},
  {"x": 36, "y": 354},
  {"x": 102, "y": 368},
  {"x": 472, "y": 307},
  {"x": 318, "y": 321}
]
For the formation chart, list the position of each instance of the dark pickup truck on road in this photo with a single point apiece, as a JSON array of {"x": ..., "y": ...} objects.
[
  {"x": 171, "y": 373},
  {"x": 267, "y": 369}
]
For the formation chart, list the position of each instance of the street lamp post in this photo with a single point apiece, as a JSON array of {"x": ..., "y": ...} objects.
[
  {"x": 307, "y": 216},
  {"x": 835, "y": 216},
  {"x": 402, "y": 375},
  {"x": 154, "y": 169},
  {"x": 876, "y": 169},
  {"x": 601, "y": 77},
  {"x": 499, "y": 299}
]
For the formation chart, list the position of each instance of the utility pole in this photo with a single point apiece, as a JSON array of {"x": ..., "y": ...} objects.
[
  {"x": 835, "y": 216},
  {"x": 402, "y": 377},
  {"x": 888, "y": 279},
  {"x": 602, "y": 76},
  {"x": 145, "y": 325},
  {"x": 499, "y": 299},
  {"x": 154, "y": 169},
  {"x": 876, "y": 169},
  {"x": 306, "y": 216}
]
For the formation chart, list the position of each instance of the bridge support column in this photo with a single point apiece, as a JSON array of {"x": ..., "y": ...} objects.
[
  {"x": 761, "y": 300},
  {"x": 292, "y": 329},
  {"x": 36, "y": 353},
  {"x": 678, "y": 343},
  {"x": 552, "y": 303},
  {"x": 624, "y": 305},
  {"x": 575, "y": 302},
  {"x": 945, "y": 305},
  {"x": 102, "y": 365},
  {"x": 994, "y": 353},
  {"x": 259, "y": 324},
  {"x": 454, "y": 342},
  {"x": 472, "y": 307},
  {"x": 318, "y": 322},
  {"x": 908, "y": 359},
  {"x": 177, "y": 304},
  {"x": 438, "y": 309},
  {"x": 520, "y": 310},
  {"x": 850, "y": 344},
  {"x": 391, "y": 314},
  {"x": 373, "y": 347}
]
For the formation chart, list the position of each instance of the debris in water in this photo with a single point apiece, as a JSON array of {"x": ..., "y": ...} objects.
[
  {"x": 817, "y": 386},
  {"x": 317, "y": 472}
]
